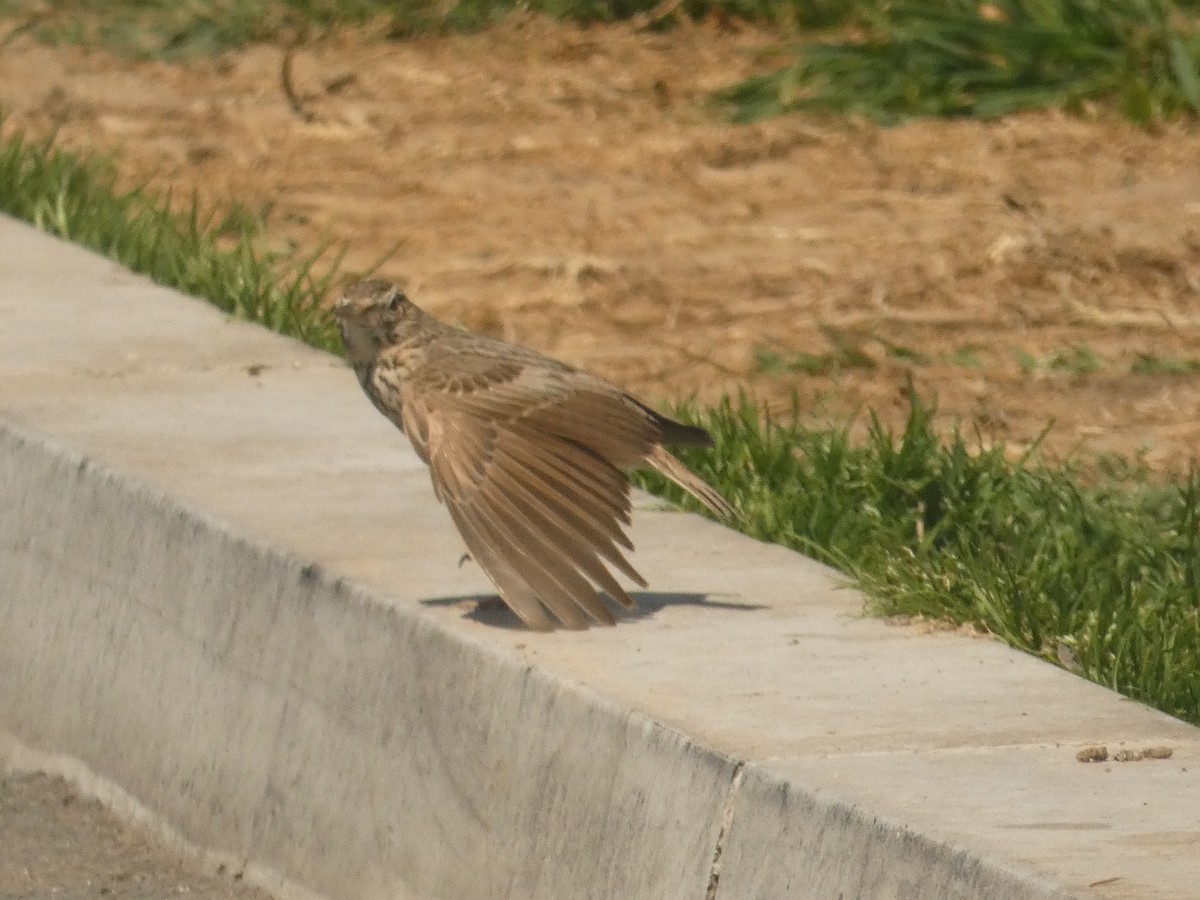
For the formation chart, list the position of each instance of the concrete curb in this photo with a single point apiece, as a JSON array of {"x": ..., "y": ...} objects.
[{"x": 229, "y": 591}]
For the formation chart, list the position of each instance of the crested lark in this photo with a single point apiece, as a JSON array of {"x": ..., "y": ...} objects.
[{"x": 528, "y": 454}]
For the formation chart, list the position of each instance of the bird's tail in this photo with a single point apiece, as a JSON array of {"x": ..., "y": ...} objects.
[
  {"x": 662, "y": 461},
  {"x": 676, "y": 434}
]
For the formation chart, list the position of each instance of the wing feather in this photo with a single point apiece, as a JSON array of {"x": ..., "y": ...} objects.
[
  {"x": 570, "y": 508},
  {"x": 511, "y": 558},
  {"x": 552, "y": 522},
  {"x": 540, "y": 513},
  {"x": 587, "y": 484},
  {"x": 528, "y": 460},
  {"x": 514, "y": 590},
  {"x": 605, "y": 490},
  {"x": 604, "y": 423},
  {"x": 547, "y": 569}
]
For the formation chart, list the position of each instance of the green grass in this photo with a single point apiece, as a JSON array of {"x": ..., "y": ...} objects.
[
  {"x": 966, "y": 357},
  {"x": 887, "y": 60},
  {"x": 846, "y": 351},
  {"x": 965, "y": 58},
  {"x": 950, "y": 530},
  {"x": 1153, "y": 364},
  {"x": 1080, "y": 361},
  {"x": 1107, "y": 566},
  {"x": 222, "y": 258},
  {"x": 176, "y": 29}
]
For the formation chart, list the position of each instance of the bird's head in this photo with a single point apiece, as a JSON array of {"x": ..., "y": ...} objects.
[{"x": 372, "y": 315}]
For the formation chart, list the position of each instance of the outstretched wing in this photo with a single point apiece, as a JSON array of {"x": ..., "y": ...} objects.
[{"x": 528, "y": 459}]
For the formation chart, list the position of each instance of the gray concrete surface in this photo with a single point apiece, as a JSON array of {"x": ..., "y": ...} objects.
[{"x": 229, "y": 591}]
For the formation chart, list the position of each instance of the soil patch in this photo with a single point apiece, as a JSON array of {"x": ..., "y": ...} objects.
[
  {"x": 58, "y": 843},
  {"x": 570, "y": 188}
]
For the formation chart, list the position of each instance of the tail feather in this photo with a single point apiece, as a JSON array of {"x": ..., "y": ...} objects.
[
  {"x": 676, "y": 434},
  {"x": 663, "y": 462}
]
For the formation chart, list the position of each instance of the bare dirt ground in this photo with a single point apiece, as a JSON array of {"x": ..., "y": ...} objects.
[
  {"x": 59, "y": 844},
  {"x": 569, "y": 188}
]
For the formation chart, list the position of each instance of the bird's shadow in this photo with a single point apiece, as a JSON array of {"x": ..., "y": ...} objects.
[{"x": 490, "y": 610}]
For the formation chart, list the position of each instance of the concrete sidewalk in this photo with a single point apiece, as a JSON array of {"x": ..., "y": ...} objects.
[{"x": 229, "y": 590}]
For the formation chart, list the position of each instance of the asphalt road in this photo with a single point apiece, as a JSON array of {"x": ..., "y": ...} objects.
[{"x": 58, "y": 845}]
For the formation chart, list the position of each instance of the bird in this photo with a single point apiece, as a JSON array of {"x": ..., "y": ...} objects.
[{"x": 528, "y": 454}]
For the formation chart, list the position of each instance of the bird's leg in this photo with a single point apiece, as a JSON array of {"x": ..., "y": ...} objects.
[{"x": 483, "y": 604}]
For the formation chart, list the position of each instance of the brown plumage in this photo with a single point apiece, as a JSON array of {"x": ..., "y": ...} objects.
[{"x": 528, "y": 454}]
